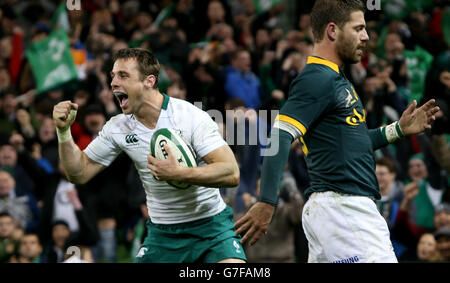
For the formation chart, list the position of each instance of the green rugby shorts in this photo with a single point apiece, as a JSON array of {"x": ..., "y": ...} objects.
[{"x": 207, "y": 240}]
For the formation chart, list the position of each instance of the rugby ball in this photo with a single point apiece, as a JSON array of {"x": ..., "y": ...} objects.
[{"x": 182, "y": 150}]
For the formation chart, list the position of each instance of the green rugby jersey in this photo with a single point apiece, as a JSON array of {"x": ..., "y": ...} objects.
[{"x": 326, "y": 114}]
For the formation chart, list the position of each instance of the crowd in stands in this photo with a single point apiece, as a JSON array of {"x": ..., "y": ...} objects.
[{"x": 231, "y": 56}]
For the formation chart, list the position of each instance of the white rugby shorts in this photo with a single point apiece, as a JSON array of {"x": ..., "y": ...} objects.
[{"x": 345, "y": 229}]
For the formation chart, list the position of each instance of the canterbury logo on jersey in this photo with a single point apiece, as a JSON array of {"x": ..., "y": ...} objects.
[{"x": 132, "y": 138}]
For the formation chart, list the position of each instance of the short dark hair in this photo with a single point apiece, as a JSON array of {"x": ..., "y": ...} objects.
[
  {"x": 388, "y": 162},
  {"x": 332, "y": 11},
  {"x": 238, "y": 51},
  {"x": 5, "y": 214},
  {"x": 147, "y": 61},
  {"x": 93, "y": 109},
  {"x": 60, "y": 222},
  {"x": 31, "y": 234}
]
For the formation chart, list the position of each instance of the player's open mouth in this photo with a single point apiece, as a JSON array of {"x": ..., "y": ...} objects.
[{"x": 122, "y": 97}]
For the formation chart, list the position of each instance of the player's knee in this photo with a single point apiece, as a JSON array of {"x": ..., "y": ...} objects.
[{"x": 232, "y": 260}]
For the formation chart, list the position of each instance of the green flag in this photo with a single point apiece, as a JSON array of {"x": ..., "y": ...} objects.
[
  {"x": 51, "y": 61},
  {"x": 262, "y": 6},
  {"x": 164, "y": 14},
  {"x": 418, "y": 62},
  {"x": 60, "y": 19}
]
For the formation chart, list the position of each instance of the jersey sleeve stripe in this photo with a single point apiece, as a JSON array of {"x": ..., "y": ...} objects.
[
  {"x": 304, "y": 147},
  {"x": 293, "y": 131},
  {"x": 292, "y": 122}
]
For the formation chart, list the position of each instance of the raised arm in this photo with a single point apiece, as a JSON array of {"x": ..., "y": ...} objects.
[{"x": 78, "y": 167}]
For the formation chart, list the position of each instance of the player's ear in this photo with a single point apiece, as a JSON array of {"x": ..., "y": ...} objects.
[
  {"x": 332, "y": 30},
  {"x": 149, "y": 81}
]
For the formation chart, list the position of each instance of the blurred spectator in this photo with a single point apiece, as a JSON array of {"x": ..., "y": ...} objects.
[
  {"x": 62, "y": 237},
  {"x": 54, "y": 251},
  {"x": 441, "y": 151},
  {"x": 278, "y": 245},
  {"x": 438, "y": 87},
  {"x": 241, "y": 82},
  {"x": 8, "y": 107},
  {"x": 177, "y": 89},
  {"x": 383, "y": 103},
  {"x": 8, "y": 162},
  {"x": 8, "y": 239},
  {"x": 304, "y": 25},
  {"x": 443, "y": 242},
  {"x": 29, "y": 250},
  {"x": 428, "y": 198},
  {"x": 406, "y": 231},
  {"x": 292, "y": 66},
  {"x": 215, "y": 14},
  {"x": 25, "y": 126},
  {"x": 262, "y": 45},
  {"x": 393, "y": 47},
  {"x": 5, "y": 78},
  {"x": 204, "y": 80},
  {"x": 22, "y": 207},
  {"x": 46, "y": 146},
  {"x": 427, "y": 249},
  {"x": 93, "y": 119},
  {"x": 390, "y": 189}
]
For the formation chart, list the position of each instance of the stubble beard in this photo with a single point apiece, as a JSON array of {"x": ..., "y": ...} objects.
[{"x": 347, "y": 51}]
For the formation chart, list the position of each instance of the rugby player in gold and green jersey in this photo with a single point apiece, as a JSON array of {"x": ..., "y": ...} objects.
[
  {"x": 340, "y": 218},
  {"x": 325, "y": 112}
]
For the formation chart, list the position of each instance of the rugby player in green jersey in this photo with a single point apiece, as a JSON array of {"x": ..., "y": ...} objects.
[{"x": 340, "y": 218}]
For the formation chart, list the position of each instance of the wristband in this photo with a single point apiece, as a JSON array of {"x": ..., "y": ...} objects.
[
  {"x": 65, "y": 135},
  {"x": 392, "y": 132},
  {"x": 399, "y": 130}
]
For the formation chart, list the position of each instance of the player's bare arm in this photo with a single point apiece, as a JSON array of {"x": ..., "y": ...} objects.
[
  {"x": 78, "y": 167},
  {"x": 221, "y": 170}
]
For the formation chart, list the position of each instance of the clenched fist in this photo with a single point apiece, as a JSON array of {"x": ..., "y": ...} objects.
[{"x": 64, "y": 114}]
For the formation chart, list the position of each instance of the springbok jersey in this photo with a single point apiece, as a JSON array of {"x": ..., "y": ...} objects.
[
  {"x": 325, "y": 112},
  {"x": 166, "y": 204}
]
